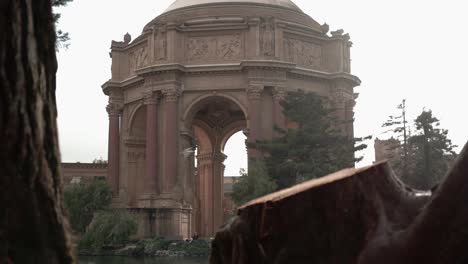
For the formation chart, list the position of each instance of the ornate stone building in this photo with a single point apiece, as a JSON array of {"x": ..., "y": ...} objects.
[{"x": 197, "y": 74}]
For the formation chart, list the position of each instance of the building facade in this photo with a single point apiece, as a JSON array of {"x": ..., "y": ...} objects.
[{"x": 200, "y": 72}]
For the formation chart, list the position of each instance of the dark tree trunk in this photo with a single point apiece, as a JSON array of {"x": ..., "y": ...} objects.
[
  {"x": 32, "y": 224},
  {"x": 362, "y": 216}
]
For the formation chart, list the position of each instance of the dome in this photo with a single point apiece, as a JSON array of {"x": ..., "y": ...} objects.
[{"x": 188, "y": 3}]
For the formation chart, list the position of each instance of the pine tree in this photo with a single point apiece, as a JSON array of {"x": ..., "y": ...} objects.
[
  {"x": 398, "y": 125},
  {"x": 315, "y": 148},
  {"x": 431, "y": 152}
]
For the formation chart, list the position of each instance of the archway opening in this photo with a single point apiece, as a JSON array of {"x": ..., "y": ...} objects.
[
  {"x": 236, "y": 164},
  {"x": 213, "y": 121},
  {"x": 236, "y": 155}
]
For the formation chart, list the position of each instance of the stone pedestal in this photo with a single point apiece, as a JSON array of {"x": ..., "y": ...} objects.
[{"x": 171, "y": 221}]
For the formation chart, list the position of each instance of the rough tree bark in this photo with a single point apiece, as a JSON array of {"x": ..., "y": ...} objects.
[
  {"x": 32, "y": 224},
  {"x": 364, "y": 216}
]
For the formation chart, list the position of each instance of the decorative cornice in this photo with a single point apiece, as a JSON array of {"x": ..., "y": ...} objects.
[
  {"x": 267, "y": 64},
  {"x": 179, "y": 69},
  {"x": 173, "y": 67},
  {"x": 109, "y": 85},
  {"x": 339, "y": 76}
]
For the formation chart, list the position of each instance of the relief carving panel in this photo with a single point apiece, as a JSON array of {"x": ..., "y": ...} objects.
[
  {"x": 267, "y": 37},
  {"x": 214, "y": 48},
  {"x": 138, "y": 58},
  {"x": 160, "y": 43},
  {"x": 303, "y": 53}
]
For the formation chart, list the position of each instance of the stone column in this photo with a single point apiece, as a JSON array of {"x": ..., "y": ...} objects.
[
  {"x": 205, "y": 176},
  {"x": 254, "y": 94},
  {"x": 278, "y": 116},
  {"x": 114, "y": 111},
  {"x": 170, "y": 146},
  {"x": 218, "y": 186},
  {"x": 151, "y": 144}
]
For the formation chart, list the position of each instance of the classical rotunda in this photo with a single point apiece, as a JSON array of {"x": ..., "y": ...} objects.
[{"x": 200, "y": 72}]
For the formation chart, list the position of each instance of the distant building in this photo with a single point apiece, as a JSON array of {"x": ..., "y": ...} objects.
[
  {"x": 386, "y": 149},
  {"x": 76, "y": 173}
]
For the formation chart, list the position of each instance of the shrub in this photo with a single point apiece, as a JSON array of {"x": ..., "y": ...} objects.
[
  {"x": 83, "y": 200},
  {"x": 108, "y": 228}
]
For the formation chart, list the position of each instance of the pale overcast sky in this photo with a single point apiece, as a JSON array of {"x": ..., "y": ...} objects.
[{"x": 413, "y": 49}]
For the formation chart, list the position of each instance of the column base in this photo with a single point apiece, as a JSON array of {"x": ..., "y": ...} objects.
[{"x": 170, "y": 223}]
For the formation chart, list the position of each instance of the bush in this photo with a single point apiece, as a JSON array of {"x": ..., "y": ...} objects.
[
  {"x": 150, "y": 247},
  {"x": 195, "y": 247},
  {"x": 108, "y": 228},
  {"x": 83, "y": 200}
]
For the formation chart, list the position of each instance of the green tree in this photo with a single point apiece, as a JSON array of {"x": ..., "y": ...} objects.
[
  {"x": 431, "y": 152},
  {"x": 315, "y": 148},
  {"x": 252, "y": 185},
  {"x": 108, "y": 228},
  {"x": 82, "y": 201}
]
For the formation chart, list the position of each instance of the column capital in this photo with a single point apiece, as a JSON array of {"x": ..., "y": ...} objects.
[
  {"x": 171, "y": 95},
  {"x": 211, "y": 157},
  {"x": 218, "y": 156},
  {"x": 254, "y": 91},
  {"x": 114, "y": 109},
  {"x": 150, "y": 98},
  {"x": 279, "y": 93}
]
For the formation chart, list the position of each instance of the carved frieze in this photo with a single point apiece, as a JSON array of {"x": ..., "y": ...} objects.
[
  {"x": 160, "y": 42},
  {"x": 138, "y": 58},
  {"x": 214, "y": 48},
  {"x": 267, "y": 37},
  {"x": 303, "y": 53}
]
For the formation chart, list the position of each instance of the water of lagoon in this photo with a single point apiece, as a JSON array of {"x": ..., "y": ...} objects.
[{"x": 128, "y": 260}]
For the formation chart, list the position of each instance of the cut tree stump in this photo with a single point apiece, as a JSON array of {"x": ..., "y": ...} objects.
[{"x": 363, "y": 216}]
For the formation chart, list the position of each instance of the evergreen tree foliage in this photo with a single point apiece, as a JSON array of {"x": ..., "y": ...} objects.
[
  {"x": 252, "y": 185},
  {"x": 108, "y": 228},
  {"x": 63, "y": 38},
  {"x": 82, "y": 201},
  {"x": 398, "y": 125},
  {"x": 431, "y": 152},
  {"x": 315, "y": 148}
]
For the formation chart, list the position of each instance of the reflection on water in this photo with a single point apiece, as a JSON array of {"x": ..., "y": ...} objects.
[{"x": 126, "y": 260}]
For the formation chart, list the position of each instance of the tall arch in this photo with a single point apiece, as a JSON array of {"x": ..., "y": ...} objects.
[{"x": 212, "y": 119}]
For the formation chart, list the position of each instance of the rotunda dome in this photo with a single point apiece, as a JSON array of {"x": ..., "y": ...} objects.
[{"x": 178, "y": 4}]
